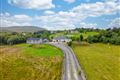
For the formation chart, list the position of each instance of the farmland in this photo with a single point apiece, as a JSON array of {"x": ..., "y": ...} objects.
[
  {"x": 76, "y": 35},
  {"x": 99, "y": 61},
  {"x": 85, "y": 35},
  {"x": 30, "y": 62}
]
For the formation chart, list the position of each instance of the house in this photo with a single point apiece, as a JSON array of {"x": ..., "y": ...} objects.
[
  {"x": 45, "y": 40},
  {"x": 36, "y": 40},
  {"x": 74, "y": 31},
  {"x": 61, "y": 39}
]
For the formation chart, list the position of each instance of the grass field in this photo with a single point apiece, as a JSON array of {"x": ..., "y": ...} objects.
[
  {"x": 85, "y": 35},
  {"x": 30, "y": 62},
  {"x": 57, "y": 34},
  {"x": 99, "y": 61},
  {"x": 77, "y": 35}
]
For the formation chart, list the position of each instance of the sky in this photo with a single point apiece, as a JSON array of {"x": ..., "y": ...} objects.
[{"x": 60, "y": 14}]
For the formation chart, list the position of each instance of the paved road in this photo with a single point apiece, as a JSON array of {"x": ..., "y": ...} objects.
[{"x": 71, "y": 68}]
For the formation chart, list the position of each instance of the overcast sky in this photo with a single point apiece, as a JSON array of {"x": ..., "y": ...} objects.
[{"x": 60, "y": 14}]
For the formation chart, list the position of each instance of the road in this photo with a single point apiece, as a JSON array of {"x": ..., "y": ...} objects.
[{"x": 71, "y": 67}]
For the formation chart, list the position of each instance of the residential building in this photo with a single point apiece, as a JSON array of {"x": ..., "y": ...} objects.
[
  {"x": 61, "y": 39},
  {"x": 34, "y": 40}
]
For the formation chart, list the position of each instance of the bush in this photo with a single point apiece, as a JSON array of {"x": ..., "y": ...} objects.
[
  {"x": 15, "y": 40},
  {"x": 106, "y": 40},
  {"x": 117, "y": 41},
  {"x": 69, "y": 43},
  {"x": 3, "y": 39},
  {"x": 30, "y": 45},
  {"x": 92, "y": 39},
  {"x": 112, "y": 41},
  {"x": 81, "y": 37},
  {"x": 108, "y": 36}
]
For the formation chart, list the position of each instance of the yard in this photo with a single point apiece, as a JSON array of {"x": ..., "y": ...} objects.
[
  {"x": 99, "y": 61},
  {"x": 30, "y": 62}
]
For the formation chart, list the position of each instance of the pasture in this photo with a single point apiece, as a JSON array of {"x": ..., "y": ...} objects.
[
  {"x": 85, "y": 35},
  {"x": 99, "y": 61},
  {"x": 30, "y": 62}
]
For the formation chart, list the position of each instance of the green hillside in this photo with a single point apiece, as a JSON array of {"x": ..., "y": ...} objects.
[{"x": 21, "y": 29}]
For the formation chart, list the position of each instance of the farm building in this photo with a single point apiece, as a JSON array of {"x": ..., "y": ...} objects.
[
  {"x": 61, "y": 39},
  {"x": 36, "y": 40}
]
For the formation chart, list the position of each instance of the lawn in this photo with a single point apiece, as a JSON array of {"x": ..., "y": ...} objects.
[
  {"x": 99, "y": 61},
  {"x": 30, "y": 62}
]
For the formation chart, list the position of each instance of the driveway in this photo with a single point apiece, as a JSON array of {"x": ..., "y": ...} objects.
[{"x": 71, "y": 67}]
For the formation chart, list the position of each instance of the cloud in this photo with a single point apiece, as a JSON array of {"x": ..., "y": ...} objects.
[
  {"x": 64, "y": 19},
  {"x": 56, "y": 22},
  {"x": 70, "y": 1},
  {"x": 97, "y": 9},
  {"x": 88, "y": 25},
  {"x": 74, "y": 17},
  {"x": 49, "y": 12},
  {"x": 14, "y": 20},
  {"x": 33, "y": 4},
  {"x": 115, "y": 23}
]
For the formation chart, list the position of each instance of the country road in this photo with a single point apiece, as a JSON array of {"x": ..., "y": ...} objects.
[{"x": 71, "y": 68}]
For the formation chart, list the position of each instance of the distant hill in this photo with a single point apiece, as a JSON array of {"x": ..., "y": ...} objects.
[{"x": 21, "y": 29}]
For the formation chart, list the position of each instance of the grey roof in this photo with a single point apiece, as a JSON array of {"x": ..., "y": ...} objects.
[
  {"x": 60, "y": 37},
  {"x": 35, "y": 39}
]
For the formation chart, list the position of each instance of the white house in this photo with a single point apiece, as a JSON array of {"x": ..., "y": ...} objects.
[
  {"x": 61, "y": 39},
  {"x": 34, "y": 40}
]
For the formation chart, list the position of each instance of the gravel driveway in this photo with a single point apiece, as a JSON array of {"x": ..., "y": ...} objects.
[{"x": 71, "y": 68}]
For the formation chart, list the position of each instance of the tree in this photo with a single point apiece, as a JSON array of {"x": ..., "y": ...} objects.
[
  {"x": 92, "y": 39},
  {"x": 81, "y": 37},
  {"x": 117, "y": 41},
  {"x": 73, "y": 38},
  {"x": 16, "y": 39},
  {"x": 70, "y": 43},
  {"x": 11, "y": 40},
  {"x": 3, "y": 39}
]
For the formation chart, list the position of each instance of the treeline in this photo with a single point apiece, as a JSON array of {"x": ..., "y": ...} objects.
[
  {"x": 84, "y": 30},
  {"x": 106, "y": 36},
  {"x": 15, "y": 38}
]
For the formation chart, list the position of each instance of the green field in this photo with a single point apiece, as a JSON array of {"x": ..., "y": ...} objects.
[
  {"x": 30, "y": 62},
  {"x": 85, "y": 35},
  {"x": 99, "y": 61},
  {"x": 77, "y": 35},
  {"x": 57, "y": 34}
]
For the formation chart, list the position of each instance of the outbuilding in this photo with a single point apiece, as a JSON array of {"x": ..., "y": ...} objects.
[{"x": 61, "y": 39}]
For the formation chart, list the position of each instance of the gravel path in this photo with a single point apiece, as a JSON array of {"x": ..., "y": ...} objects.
[{"x": 71, "y": 68}]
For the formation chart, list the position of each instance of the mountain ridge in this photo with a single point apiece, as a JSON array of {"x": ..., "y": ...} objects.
[{"x": 21, "y": 29}]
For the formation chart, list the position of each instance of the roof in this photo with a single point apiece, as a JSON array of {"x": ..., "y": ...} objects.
[
  {"x": 60, "y": 37},
  {"x": 34, "y": 39}
]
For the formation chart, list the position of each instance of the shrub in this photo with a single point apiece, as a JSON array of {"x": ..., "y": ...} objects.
[
  {"x": 92, "y": 39},
  {"x": 108, "y": 36},
  {"x": 81, "y": 37},
  {"x": 69, "y": 43},
  {"x": 117, "y": 41}
]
